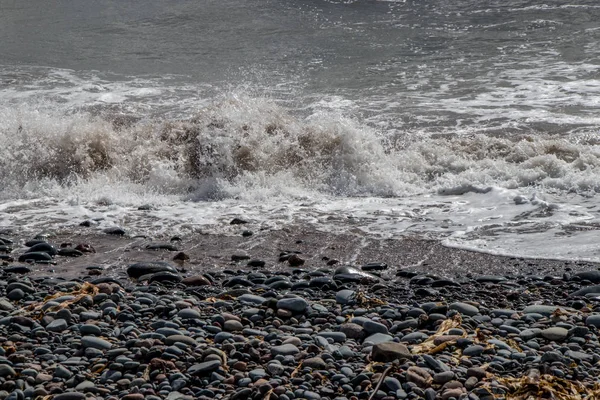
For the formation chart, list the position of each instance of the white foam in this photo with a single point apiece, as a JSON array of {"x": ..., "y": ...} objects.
[
  {"x": 491, "y": 222},
  {"x": 253, "y": 144},
  {"x": 63, "y": 161}
]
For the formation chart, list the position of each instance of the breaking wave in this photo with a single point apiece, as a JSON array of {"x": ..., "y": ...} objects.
[{"x": 243, "y": 146}]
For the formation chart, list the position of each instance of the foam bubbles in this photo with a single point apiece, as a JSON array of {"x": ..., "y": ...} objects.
[
  {"x": 251, "y": 156},
  {"x": 241, "y": 145}
]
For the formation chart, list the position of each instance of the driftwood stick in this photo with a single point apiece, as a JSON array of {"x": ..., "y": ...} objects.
[{"x": 381, "y": 378}]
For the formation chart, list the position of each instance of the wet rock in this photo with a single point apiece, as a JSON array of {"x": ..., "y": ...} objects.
[
  {"x": 162, "y": 246},
  {"x": 164, "y": 276},
  {"x": 17, "y": 269},
  {"x": 375, "y": 266},
  {"x": 149, "y": 267},
  {"x": 239, "y": 256},
  {"x": 197, "y": 280},
  {"x": 490, "y": 279},
  {"x": 295, "y": 261},
  {"x": 350, "y": 274},
  {"x": 33, "y": 242},
  {"x": 181, "y": 257},
  {"x": 38, "y": 257},
  {"x": 116, "y": 231},
  {"x": 43, "y": 247},
  {"x": 69, "y": 252},
  {"x": 85, "y": 248},
  {"x": 256, "y": 263}
]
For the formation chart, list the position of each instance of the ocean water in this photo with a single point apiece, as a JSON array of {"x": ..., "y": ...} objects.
[{"x": 471, "y": 122}]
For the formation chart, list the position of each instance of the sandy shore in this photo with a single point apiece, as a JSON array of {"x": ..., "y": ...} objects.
[{"x": 208, "y": 252}]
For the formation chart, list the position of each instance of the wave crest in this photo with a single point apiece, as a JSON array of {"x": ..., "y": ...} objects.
[{"x": 243, "y": 146}]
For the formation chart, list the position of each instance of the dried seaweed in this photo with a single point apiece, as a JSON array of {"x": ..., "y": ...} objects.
[
  {"x": 86, "y": 289},
  {"x": 268, "y": 394},
  {"x": 429, "y": 346},
  {"x": 380, "y": 381},
  {"x": 158, "y": 364},
  {"x": 297, "y": 369},
  {"x": 536, "y": 386},
  {"x": 365, "y": 301}
]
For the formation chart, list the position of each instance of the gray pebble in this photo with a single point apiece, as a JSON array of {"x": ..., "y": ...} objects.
[
  {"x": 58, "y": 325},
  {"x": 96, "y": 343},
  {"x": 294, "y": 304},
  {"x": 464, "y": 308},
  {"x": 284, "y": 350},
  {"x": 555, "y": 333}
]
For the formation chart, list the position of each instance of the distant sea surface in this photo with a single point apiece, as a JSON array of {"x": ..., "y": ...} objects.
[{"x": 471, "y": 122}]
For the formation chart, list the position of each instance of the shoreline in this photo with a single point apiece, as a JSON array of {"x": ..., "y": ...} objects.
[{"x": 206, "y": 252}]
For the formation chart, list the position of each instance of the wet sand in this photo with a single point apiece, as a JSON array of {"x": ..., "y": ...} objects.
[{"x": 210, "y": 252}]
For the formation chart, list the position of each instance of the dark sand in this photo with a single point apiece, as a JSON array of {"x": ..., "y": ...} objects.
[{"x": 213, "y": 252}]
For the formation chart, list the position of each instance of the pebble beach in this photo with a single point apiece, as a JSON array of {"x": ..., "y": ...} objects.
[
  {"x": 289, "y": 314},
  {"x": 299, "y": 200}
]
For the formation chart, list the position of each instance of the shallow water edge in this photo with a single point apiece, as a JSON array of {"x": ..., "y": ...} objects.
[{"x": 319, "y": 250}]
